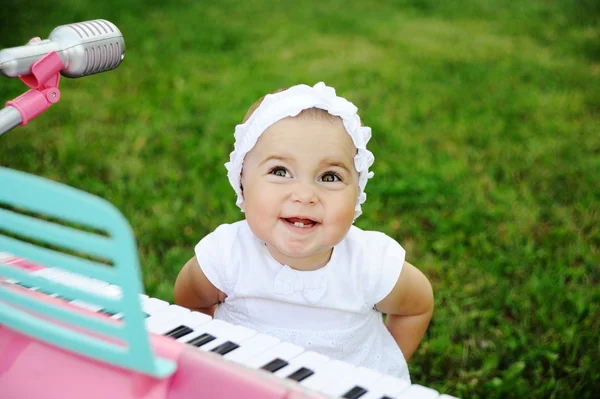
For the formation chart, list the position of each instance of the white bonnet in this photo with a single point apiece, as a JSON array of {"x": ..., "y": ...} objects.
[{"x": 291, "y": 102}]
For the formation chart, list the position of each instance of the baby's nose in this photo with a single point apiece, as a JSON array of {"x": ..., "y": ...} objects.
[{"x": 304, "y": 193}]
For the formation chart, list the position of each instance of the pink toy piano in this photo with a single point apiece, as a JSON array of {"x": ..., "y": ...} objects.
[{"x": 74, "y": 322}]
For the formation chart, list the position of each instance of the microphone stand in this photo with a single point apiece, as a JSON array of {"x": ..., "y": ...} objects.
[{"x": 43, "y": 81}]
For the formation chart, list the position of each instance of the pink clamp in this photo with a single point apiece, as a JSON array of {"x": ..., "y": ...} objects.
[{"x": 43, "y": 80}]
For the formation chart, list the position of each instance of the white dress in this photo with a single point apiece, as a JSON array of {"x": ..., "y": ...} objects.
[{"x": 329, "y": 310}]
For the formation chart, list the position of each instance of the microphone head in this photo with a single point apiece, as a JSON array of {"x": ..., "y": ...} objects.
[
  {"x": 89, "y": 47},
  {"x": 84, "y": 48}
]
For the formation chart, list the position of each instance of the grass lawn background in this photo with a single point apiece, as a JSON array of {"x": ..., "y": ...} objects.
[{"x": 486, "y": 133}]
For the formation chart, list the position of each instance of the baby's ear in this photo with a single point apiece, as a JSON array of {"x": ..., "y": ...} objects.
[{"x": 243, "y": 204}]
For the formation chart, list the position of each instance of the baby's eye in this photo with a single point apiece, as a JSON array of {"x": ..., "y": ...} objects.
[
  {"x": 330, "y": 177},
  {"x": 279, "y": 171}
]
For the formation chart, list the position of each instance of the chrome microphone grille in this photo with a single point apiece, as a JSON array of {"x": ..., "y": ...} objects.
[
  {"x": 102, "y": 58},
  {"x": 93, "y": 28}
]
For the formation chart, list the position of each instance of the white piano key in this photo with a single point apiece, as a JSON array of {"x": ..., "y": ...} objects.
[
  {"x": 327, "y": 375},
  {"x": 171, "y": 310},
  {"x": 50, "y": 273},
  {"x": 252, "y": 347},
  {"x": 444, "y": 396},
  {"x": 86, "y": 305},
  {"x": 284, "y": 351},
  {"x": 163, "y": 316},
  {"x": 214, "y": 327},
  {"x": 386, "y": 386},
  {"x": 112, "y": 291},
  {"x": 419, "y": 392},
  {"x": 237, "y": 335},
  {"x": 310, "y": 360},
  {"x": 189, "y": 319},
  {"x": 98, "y": 288},
  {"x": 152, "y": 305},
  {"x": 78, "y": 281},
  {"x": 360, "y": 377},
  {"x": 71, "y": 279}
]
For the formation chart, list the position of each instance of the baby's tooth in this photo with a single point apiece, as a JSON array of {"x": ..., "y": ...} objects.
[{"x": 298, "y": 224}]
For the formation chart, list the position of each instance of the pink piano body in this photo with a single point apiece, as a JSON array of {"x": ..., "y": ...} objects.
[
  {"x": 30, "y": 368},
  {"x": 34, "y": 369}
]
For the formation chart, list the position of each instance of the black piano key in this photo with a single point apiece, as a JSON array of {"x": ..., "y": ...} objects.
[
  {"x": 201, "y": 340},
  {"x": 179, "y": 332},
  {"x": 24, "y": 285},
  {"x": 275, "y": 365},
  {"x": 300, "y": 374},
  {"x": 107, "y": 312},
  {"x": 385, "y": 397},
  {"x": 355, "y": 393},
  {"x": 225, "y": 348}
]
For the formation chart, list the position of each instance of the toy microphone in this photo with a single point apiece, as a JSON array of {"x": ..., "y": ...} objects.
[
  {"x": 85, "y": 48},
  {"x": 74, "y": 50}
]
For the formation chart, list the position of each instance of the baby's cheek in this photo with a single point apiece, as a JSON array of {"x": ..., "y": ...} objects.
[{"x": 342, "y": 211}]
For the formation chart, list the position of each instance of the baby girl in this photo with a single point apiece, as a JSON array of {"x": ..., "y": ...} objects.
[{"x": 296, "y": 267}]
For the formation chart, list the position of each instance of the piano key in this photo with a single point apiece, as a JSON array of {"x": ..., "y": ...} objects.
[
  {"x": 78, "y": 281},
  {"x": 72, "y": 280},
  {"x": 237, "y": 335},
  {"x": 201, "y": 340},
  {"x": 328, "y": 375},
  {"x": 355, "y": 393},
  {"x": 308, "y": 360},
  {"x": 178, "y": 332},
  {"x": 301, "y": 374},
  {"x": 275, "y": 365},
  {"x": 252, "y": 348},
  {"x": 28, "y": 286},
  {"x": 113, "y": 291},
  {"x": 387, "y": 386},
  {"x": 53, "y": 274},
  {"x": 50, "y": 273},
  {"x": 161, "y": 320},
  {"x": 225, "y": 348},
  {"x": 169, "y": 311},
  {"x": 86, "y": 305},
  {"x": 152, "y": 305},
  {"x": 215, "y": 328},
  {"x": 162, "y": 324},
  {"x": 445, "y": 396},
  {"x": 111, "y": 313},
  {"x": 419, "y": 392},
  {"x": 284, "y": 351},
  {"x": 95, "y": 287},
  {"x": 352, "y": 384}
]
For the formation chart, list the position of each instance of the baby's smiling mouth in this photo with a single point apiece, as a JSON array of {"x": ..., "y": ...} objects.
[{"x": 301, "y": 222}]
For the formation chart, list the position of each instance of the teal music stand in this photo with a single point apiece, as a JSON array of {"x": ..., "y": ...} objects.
[{"x": 55, "y": 225}]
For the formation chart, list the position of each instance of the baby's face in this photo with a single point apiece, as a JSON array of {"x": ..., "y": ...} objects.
[{"x": 300, "y": 188}]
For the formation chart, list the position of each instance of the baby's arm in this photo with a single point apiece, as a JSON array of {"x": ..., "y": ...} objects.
[
  {"x": 409, "y": 307},
  {"x": 194, "y": 291}
]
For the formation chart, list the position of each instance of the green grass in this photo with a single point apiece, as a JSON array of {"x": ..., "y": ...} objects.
[{"x": 486, "y": 132}]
